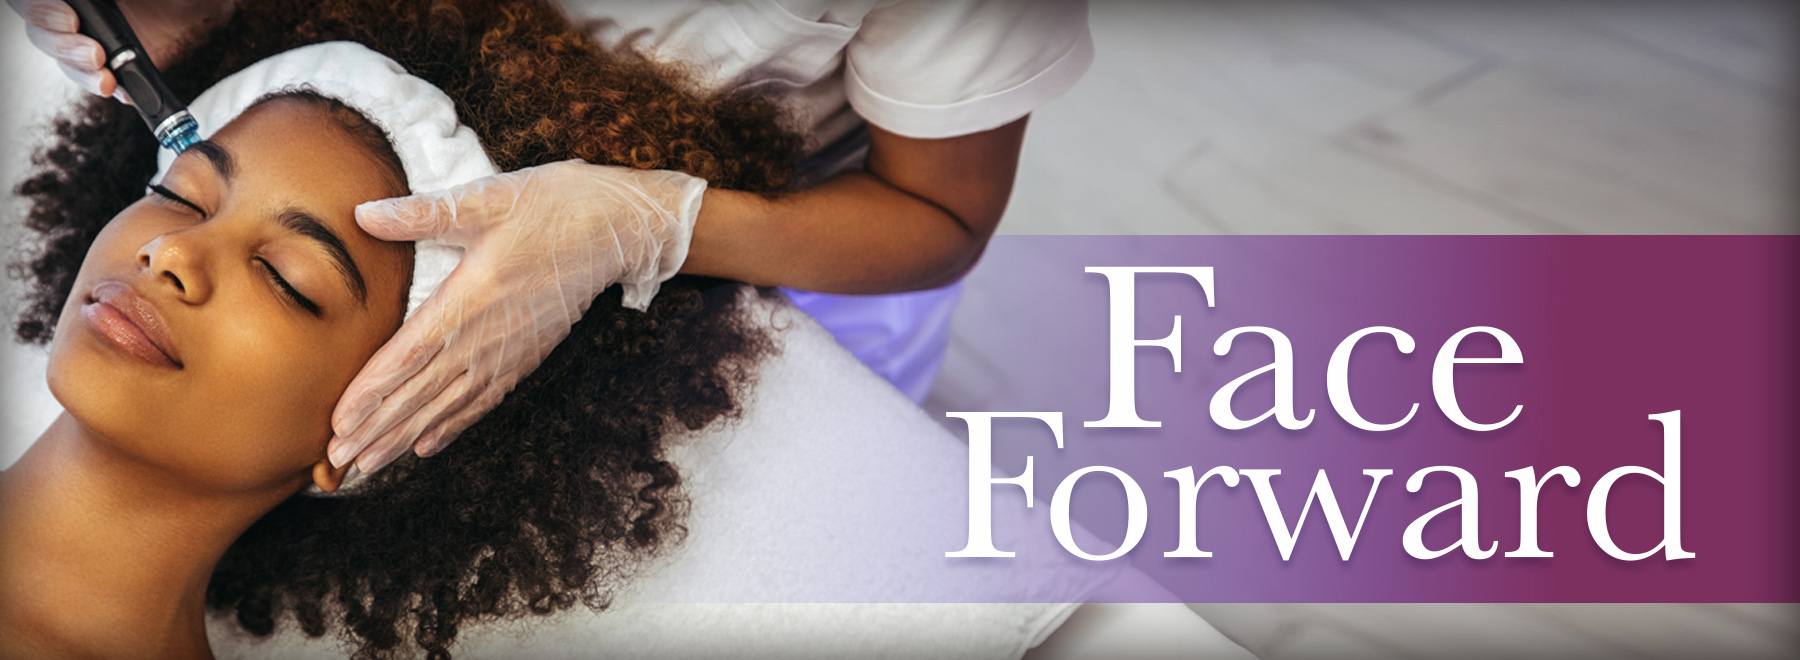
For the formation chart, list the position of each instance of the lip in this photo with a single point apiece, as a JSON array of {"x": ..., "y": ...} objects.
[{"x": 131, "y": 324}]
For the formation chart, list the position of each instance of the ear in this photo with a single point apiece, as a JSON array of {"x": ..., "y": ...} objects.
[{"x": 329, "y": 478}]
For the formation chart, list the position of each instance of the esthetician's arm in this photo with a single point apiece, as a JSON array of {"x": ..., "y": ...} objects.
[
  {"x": 539, "y": 244},
  {"x": 917, "y": 217},
  {"x": 159, "y": 25}
]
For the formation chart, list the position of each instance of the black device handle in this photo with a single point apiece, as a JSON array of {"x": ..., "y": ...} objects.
[{"x": 101, "y": 20}]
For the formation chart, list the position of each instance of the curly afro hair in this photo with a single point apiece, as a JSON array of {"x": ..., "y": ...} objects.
[{"x": 553, "y": 498}]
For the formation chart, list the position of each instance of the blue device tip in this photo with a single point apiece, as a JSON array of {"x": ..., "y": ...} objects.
[
  {"x": 181, "y": 139},
  {"x": 183, "y": 134}
]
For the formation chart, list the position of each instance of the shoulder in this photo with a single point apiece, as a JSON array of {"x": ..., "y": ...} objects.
[{"x": 943, "y": 69}]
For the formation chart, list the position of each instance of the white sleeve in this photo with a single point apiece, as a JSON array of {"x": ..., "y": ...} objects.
[{"x": 936, "y": 69}]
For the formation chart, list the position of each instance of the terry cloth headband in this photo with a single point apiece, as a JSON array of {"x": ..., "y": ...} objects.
[{"x": 436, "y": 150}]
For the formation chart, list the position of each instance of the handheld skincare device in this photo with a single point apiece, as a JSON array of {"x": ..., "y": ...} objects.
[{"x": 166, "y": 115}]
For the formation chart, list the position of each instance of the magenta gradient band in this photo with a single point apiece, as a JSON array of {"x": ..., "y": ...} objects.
[{"x": 1611, "y": 330}]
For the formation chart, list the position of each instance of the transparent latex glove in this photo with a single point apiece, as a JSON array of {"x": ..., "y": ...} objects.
[
  {"x": 538, "y": 245},
  {"x": 51, "y": 26}
]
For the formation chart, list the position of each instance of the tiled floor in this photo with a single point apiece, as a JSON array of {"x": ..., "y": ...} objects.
[
  {"x": 1419, "y": 117},
  {"x": 1624, "y": 631}
]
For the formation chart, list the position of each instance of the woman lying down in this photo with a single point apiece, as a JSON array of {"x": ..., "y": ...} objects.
[{"x": 201, "y": 331}]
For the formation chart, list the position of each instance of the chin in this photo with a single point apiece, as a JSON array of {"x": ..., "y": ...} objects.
[
  {"x": 95, "y": 384},
  {"x": 108, "y": 406},
  {"x": 89, "y": 390},
  {"x": 134, "y": 419},
  {"x": 249, "y": 437}
]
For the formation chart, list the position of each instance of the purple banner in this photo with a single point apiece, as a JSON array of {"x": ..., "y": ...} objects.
[{"x": 1586, "y": 338}]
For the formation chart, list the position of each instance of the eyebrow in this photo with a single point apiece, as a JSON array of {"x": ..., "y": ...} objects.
[
  {"x": 297, "y": 221},
  {"x": 217, "y": 155},
  {"x": 300, "y": 222}
]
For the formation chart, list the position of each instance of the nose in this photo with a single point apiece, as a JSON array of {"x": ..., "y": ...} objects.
[{"x": 177, "y": 261}]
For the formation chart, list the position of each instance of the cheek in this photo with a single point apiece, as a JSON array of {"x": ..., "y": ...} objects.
[
  {"x": 289, "y": 380},
  {"x": 265, "y": 412},
  {"x": 255, "y": 412},
  {"x": 113, "y": 250},
  {"x": 83, "y": 376},
  {"x": 233, "y": 425}
]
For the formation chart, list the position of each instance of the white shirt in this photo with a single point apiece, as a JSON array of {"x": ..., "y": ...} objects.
[{"x": 918, "y": 68}]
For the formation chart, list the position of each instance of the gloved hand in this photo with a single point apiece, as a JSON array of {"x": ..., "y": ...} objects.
[
  {"x": 51, "y": 26},
  {"x": 539, "y": 244}
]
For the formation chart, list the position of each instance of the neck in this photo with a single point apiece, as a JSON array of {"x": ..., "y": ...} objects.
[{"x": 105, "y": 555}]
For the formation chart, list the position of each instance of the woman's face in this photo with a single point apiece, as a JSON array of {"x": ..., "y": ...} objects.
[{"x": 215, "y": 323}]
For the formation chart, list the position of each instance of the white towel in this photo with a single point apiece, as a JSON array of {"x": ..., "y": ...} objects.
[{"x": 420, "y": 120}]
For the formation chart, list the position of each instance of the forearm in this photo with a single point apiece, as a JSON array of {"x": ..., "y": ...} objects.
[
  {"x": 917, "y": 217},
  {"x": 854, "y": 233}
]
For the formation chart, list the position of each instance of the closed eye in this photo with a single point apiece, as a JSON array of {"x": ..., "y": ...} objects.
[
  {"x": 282, "y": 287},
  {"x": 167, "y": 194},
  {"x": 287, "y": 290}
]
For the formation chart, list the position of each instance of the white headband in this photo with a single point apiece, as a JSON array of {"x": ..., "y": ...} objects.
[{"x": 436, "y": 150}]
